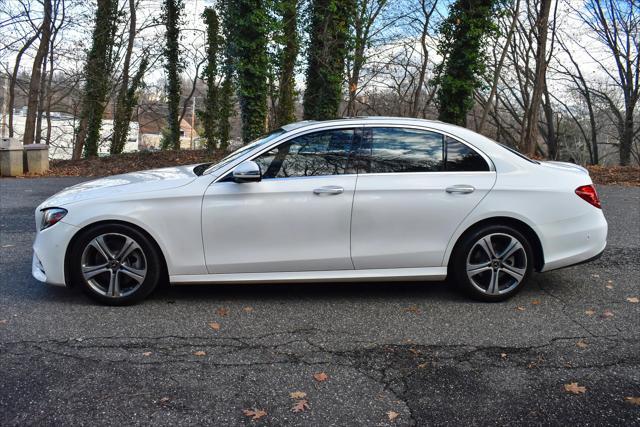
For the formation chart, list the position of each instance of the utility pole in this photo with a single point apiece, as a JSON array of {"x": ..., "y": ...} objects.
[
  {"x": 5, "y": 100},
  {"x": 193, "y": 122}
]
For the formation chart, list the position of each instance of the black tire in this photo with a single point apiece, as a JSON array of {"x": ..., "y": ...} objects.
[
  {"x": 472, "y": 249},
  {"x": 131, "y": 287}
]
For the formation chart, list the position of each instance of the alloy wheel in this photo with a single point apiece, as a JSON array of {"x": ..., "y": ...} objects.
[
  {"x": 113, "y": 265},
  {"x": 496, "y": 264}
]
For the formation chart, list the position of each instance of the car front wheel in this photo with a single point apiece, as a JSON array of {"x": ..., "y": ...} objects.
[
  {"x": 493, "y": 263},
  {"x": 115, "y": 264}
]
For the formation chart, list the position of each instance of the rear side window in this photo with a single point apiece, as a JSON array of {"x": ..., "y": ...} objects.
[
  {"x": 462, "y": 158},
  {"x": 313, "y": 154},
  {"x": 398, "y": 150}
]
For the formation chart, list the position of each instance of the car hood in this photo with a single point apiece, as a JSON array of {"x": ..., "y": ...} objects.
[{"x": 130, "y": 183}]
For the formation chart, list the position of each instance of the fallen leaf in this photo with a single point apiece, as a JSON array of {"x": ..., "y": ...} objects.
[
  {"x": 3, "y": 322},
  {"x": 146, "y": 353},
  {"x": 632, "y": 400},
  {"x": 534, "y": 364},
  {"x": 608, "y": 286},
  {"x": 503, "y": 355},
  {"x": 298, "y": 394},
  {"x": 582, "y": 344},
  {"x": 607, "y": 314},
  {"x": 300, "y": 406},
  {"x": 415, "y": 352},
  {"x": 199, "y": 353},
  {"x": 590, "y": 312},
  {"x": 633, "y": 300},
  {"x": 574, "y": 388},
  {"x": 412, "y": 309},
  {"x": 392, "y": 415},
  {"x": 255, "y": 414},
  {"x": 320, "y": 376},
  {"x": 520, "y": 308},
  {"x": 423, "y": 365},
  {"x": 222, "y": 311},
  {"x": 164, "y": 400},
  {"x": 247, "y": 309},
  {"x": 535, "y": 302},
  {"x": 215, "y": 326}
]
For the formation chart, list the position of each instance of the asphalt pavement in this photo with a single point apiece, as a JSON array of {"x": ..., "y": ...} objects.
[{"x": 392, "y": 353}]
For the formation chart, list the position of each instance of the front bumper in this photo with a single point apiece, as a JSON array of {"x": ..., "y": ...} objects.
[{"x": 49, "y": 251}]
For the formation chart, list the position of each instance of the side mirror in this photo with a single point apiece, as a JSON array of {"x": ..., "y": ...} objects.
[{"x": 247, "y": 171}]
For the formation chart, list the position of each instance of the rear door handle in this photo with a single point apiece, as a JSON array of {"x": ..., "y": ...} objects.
[
  {"x": 460, "y": 189},
  {"x": 329, "y": 189}
]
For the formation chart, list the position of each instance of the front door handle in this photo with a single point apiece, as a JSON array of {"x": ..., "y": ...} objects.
[
  {"x": 460, "y": 189},
  {"x": 329, "y": 189}
]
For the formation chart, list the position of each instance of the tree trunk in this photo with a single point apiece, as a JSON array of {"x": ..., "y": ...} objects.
[
  {"x": 14, "y": 79},
  {"x": 531, "y": 130},
  {"x": 36, "y": 76},
  {"x": 496, "y": 74},
  {"x": 122, "y": 115},
  {"x": 286, "y": 91}
]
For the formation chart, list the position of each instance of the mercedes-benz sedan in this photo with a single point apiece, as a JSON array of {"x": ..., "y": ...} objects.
[{"x": 356, "y": 199}]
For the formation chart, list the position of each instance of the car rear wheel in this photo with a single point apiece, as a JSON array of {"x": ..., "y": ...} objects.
[
  {"x": 115, "y": 264},
  {"x": 493, "y": 263}
]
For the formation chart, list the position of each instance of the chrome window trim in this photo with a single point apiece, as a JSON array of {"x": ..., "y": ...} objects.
[{"x": 358, "y": 124}]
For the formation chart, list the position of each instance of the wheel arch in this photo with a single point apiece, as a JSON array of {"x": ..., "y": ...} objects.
[
  {"x": 80, "y": 231},
  {"x": 521, "y": 226}
]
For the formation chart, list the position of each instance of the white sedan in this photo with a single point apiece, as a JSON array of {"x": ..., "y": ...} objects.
[{"x": 344, "y": 200}]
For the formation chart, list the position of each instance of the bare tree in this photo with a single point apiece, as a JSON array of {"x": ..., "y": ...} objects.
[
  {"x": 616, "y": 26},
  {"x": 36, "y": 75}
]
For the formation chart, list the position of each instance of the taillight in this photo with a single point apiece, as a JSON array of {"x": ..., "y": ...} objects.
[{"x": 589, "y": 193}]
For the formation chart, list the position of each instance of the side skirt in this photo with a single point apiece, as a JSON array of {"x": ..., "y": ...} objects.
[{"x": 386, "y": 274}]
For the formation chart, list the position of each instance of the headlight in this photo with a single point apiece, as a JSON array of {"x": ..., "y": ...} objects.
[{"x": 50, "y": 216}]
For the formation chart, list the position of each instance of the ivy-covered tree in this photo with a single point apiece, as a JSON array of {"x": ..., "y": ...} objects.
[
  {"x": 461, "y": 46},
  {"x": 249, "y": 22},
  {"x": 97, "y": 72},
  {"x": 210, "y": 114},
  {"x": 225, "y": 104},
  {"x": 125, "y": 103},
  {"x": 329, "y": 34},
  {"x": 171, "y": 12},
  {"x": 285, "y": 111},
  {"x": 127, "y": 94}
]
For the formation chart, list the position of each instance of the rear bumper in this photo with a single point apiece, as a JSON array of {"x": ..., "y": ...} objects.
[
  {"x": 576, "y": 241},
  {"x": 49, "y": 251}
]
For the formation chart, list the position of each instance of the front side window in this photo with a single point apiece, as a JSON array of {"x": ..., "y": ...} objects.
[
  {"x": 397, "y": 150},
  {"x": 314, "y": 154}
]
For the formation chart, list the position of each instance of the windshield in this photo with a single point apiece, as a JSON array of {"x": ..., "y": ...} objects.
[
  {"x": 245, "y": 149},
  {"x": 519, "y": 154}
]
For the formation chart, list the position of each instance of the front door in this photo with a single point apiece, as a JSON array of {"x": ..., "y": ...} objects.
[
  {"x": 297, "y": 218},
  {"x": 414, "y": 188}
]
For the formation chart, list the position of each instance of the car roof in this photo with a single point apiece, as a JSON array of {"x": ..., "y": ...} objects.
[{"x": 378, "y": 120}]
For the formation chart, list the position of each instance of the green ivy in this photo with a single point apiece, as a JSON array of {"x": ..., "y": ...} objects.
[
  {"x": 209, "y": 115},
  {"x": 462, "y": 37},
  {"x": 173, "y": 65},
  {"x": 327, "y": 51},
  {"x": 97, "y": 74},
  {"x": 248, "y": 23}
]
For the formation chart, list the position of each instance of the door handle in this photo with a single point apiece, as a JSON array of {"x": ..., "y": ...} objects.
[
  {"x": 329, "y": 189},
  {"x": 460, "y": 189}
]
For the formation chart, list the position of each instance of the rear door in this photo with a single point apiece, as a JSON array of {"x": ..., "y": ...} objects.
[{"x": 414, "y": 188}]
